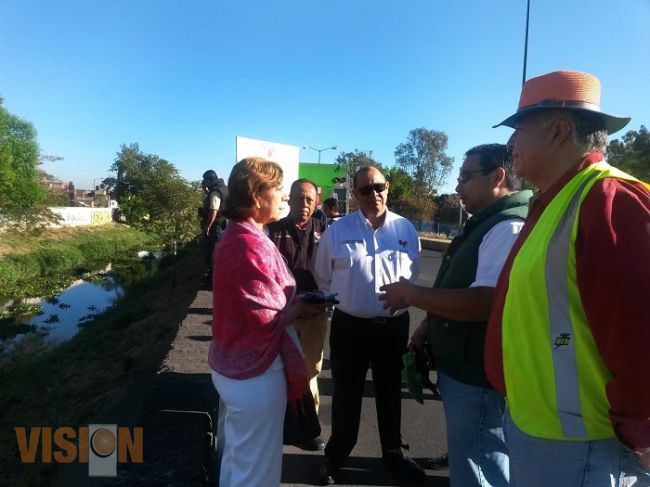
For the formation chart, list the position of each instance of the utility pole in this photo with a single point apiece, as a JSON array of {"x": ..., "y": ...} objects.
[{"x": 523, "y": 80}]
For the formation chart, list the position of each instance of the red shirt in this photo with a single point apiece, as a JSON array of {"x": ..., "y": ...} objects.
[{"x": 613, "y": 274}]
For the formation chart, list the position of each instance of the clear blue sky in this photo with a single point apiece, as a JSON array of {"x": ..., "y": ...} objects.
[{"x": 183, "y": 77}]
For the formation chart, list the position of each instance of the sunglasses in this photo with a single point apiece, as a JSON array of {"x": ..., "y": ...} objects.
[{"x": 377, "y": 187}]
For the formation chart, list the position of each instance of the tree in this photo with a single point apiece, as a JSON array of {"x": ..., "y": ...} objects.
[
  {"x": 20, "y": 190},
  {"x": 153, "y": 196},
  {"x": 171, "y": 204},
  {"x": 404, "y": 196},
  {"x": 423, "y": 157},
  {"x": 353, "y": 161},
  {"x": 632, "y": 154},
  {"x": 447, "y": 209},
  {"x": 135, "y": 169}
]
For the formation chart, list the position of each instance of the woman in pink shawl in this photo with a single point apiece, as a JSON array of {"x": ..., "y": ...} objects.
[{"x": 256, "y": 364}]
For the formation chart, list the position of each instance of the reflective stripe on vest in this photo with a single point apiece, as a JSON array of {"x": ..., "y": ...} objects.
[
  {"x": 557, "y": 290},
  {"x": 555, "y": 378}
]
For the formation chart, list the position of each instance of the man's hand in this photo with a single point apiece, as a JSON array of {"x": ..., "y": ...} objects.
[
  {"x": 395, "y": 294},
  {"x": 420, "y": 334}
]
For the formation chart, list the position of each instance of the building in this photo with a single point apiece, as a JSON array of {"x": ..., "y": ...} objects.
[{"x": 331, "y": 180}]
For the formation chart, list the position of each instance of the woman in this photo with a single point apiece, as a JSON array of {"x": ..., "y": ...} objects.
[{"x": 256, "y": 364}]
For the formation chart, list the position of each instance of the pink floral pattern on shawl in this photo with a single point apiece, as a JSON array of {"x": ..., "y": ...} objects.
[{"x": 251, "y": 287}]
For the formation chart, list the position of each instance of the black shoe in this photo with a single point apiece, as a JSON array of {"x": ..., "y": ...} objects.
[
  {"x": 439, "y": 463},
  {"x": 315, "y": 444},
  {"x": 403, "y": 465},
  {"x": 327, "y": 474}
]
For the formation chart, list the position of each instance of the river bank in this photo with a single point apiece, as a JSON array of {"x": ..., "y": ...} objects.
[
  {"x": 31, "y": 265},
  {"x": 106, "y": 364}
]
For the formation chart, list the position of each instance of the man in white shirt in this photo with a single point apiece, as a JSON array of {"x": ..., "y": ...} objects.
[
  {"x": 365, "y": 250},
  {"x": 459, "y": 306}
]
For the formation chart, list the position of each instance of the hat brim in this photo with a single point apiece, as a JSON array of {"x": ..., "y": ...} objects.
[{"x": 612, "y": 123}]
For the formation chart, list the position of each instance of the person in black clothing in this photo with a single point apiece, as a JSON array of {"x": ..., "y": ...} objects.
[
  {"x": 297, "y": 236},
  {"x": 331, "y": 208},
  {"x": 212, "y": 222}
]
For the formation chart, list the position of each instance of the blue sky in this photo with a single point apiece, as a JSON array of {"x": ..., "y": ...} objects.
[{"x": 182, "y": 78}]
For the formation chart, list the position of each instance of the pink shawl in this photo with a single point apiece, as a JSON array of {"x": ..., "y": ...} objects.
[{"x": 251, "y": 287}]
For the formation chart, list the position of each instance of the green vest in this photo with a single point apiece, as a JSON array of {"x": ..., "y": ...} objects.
[
  {"x": 555, "y": 378},
  {"x": 458, "y": 345}
]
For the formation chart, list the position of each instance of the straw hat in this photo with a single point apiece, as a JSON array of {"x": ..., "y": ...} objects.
[{"x": 565, "y": 90}]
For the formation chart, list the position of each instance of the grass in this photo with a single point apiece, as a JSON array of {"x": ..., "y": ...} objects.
[
  {"x": 36, "y": 264},
  {"x": 70, "y": 385}
]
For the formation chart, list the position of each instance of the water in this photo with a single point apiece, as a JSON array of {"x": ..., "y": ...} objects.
[
  {"x": 66, "y": 313},
  {"x": 76, "y": 306}
]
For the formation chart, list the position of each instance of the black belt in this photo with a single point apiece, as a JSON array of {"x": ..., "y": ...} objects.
[{"x": 375, "y": 320}]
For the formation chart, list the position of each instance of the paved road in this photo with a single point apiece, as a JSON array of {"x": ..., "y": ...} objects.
[{"x": 423, "y": 426}]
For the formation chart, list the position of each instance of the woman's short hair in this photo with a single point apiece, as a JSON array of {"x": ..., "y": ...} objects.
[{"x": 248, "y": 177}]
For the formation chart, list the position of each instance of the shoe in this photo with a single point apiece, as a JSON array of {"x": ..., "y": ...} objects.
[
  {"x": 315, "y": 444},
  {"x": 438, "y": 463},
  {"x": 403, "y": 465},
  {"x": 327, "y": 474}
]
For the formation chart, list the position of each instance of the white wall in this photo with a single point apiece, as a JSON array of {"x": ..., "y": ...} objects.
[{"x": 74, "y": 216}]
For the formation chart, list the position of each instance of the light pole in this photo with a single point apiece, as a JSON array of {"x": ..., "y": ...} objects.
[
  {"x": 94, "y": 185},
  {"x": 333, "y": 147},
  {"x": 523, "y": 79},
  {"x": 107, "y": 197}
]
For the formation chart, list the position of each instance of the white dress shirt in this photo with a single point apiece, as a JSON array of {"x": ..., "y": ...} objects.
[{"x": 354, "y": 261}]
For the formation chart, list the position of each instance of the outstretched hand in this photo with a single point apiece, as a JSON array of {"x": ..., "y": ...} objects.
[{"x": 394, "y": 294}]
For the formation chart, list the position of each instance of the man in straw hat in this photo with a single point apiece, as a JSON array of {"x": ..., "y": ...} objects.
[{"x": 567, "y": 340}]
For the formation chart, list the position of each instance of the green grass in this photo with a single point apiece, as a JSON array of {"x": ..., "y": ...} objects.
[
  {"x": 70, "y": 384},
  {"x": 34, "y": 265}
]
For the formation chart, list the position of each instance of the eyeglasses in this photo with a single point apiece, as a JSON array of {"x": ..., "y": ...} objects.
[
  {"x": 466, "y": 176},
  {"x": 377, "y": 187}
]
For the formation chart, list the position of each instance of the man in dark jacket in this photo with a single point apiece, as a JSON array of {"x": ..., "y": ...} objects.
[
  {"x": 458, "y": 309},
  {"x": 297, "y": 236},
  {"x": 212, "y": 222}
]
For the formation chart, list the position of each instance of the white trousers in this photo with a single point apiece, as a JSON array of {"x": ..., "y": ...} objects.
[{"x": 252, "y": 425}]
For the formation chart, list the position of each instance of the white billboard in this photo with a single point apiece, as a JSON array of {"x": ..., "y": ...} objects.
[{"x": 288, "y": 156}]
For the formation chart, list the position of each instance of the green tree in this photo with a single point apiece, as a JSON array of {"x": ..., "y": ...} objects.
[
  {"x": 153, "y": 196},
  {"x": 405, "y": 196},
  {"x": 632, "y": 153},
  {"x": 135, "y": 169},
  {"x": 423, "y": 157},
  {"x": 20, "y": 190},
  {"x": 353, "y": 161},
  {"x": 171, "y": 204}
]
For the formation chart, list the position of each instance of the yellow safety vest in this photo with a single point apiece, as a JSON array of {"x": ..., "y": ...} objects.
[{"x": 555, "y": 378}]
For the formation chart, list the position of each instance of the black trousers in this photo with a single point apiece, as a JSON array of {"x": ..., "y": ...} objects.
[
  {"x": 355, "y": 345},
  {"x": 208, "y": 242}
]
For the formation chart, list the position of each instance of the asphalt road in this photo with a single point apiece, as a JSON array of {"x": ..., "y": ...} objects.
[{"x": 423, "y": 426}]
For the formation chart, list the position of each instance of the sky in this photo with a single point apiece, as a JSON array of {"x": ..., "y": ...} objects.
[{"x": 183, "y": 78}]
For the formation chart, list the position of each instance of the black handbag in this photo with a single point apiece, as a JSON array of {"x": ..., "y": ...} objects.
[{"x": 301, "y": 425}]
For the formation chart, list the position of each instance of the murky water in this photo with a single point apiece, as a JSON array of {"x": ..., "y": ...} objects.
[{"x": 63, "y": 315}]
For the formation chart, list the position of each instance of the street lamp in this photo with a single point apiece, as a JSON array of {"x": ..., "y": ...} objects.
[{"x": 333, "y": 147}]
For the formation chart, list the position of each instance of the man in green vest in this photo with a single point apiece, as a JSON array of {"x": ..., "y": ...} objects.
[
  {"x": 569, "y": 334},
  {"x": 458, "y": 307}
]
